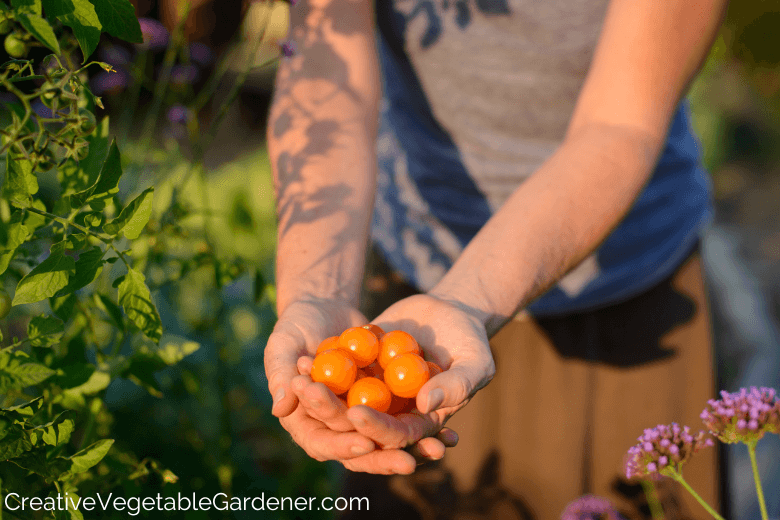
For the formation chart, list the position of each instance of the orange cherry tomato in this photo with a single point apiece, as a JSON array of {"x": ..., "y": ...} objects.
[
  {"x": 328, "y": 344},
  {"x": 336, "y": 369},
  {"x": 433, "y": 368},
  {"x": 371, "y": 392},
  {"x": 394, "y": 343},
  {"x": 361, "y": 343},
  {"x": 376, "y": 329},
  {"x": 405, "y": 374}
]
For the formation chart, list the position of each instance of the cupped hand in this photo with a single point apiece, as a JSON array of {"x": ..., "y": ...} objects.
[
  {"x": 452, "y": 337},
  {"x": 322, "y": 427}
]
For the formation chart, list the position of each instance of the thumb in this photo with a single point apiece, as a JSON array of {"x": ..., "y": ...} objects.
[
  {"x": 455, "y": 386},
  {"x": 281, "y": 357}
]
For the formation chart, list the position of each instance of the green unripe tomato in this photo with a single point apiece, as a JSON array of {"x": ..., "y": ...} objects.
[
  {"x": 6, "y": 25},
  {"x": 87, "y": 121},
  {"x": 49, "y": 94},
  {"x": 15, "y": 46},
  {"x": 5, "y": 304},
  {"x": 82, "y": 149}
]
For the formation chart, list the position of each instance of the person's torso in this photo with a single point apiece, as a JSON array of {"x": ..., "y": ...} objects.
[{"x": 477, "y": 95}]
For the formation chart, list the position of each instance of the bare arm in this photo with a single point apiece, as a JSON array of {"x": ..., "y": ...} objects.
[
  {"x": 648, "y": 53},
  {"x": 321, "y": 135}
]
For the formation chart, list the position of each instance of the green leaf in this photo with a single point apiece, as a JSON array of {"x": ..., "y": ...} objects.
[
  {"x": 62, "y": 306},
  {"x": 105, "y": 186},
  {"x": 93, "y": 219},
  {"x": 118, "y": 19},
  {"x": 135, "y": 298},
  {"x": 45, "y": 331},
  {"x": 112, "y": 309},
  {"x": 11, "y": 236},
  {"x": 134, "y": 216},
  {"x": 35, "y": 460},
  {"x": 80, "y": 16},
  {"x": 20, "y": 181},
  {"x": 88, "y": 267},
  {"x": 16, "y": 373},
  {"x": 89, "y": 456},
  {"x": 75, "y": 176},
  {"x": 45, "y": 280},
  {"x": 14, "y": 443},
  {"x": 59, "y": 430},
  {"x": 39, "y": 28},
  {"x": 22, "y": 411},
  {"x": 27, "y": 6}
]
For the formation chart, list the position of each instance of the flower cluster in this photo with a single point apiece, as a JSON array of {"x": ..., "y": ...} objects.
[
  {"x": 590, "y": 507},
  {"x": 663, "y": 450},
  {"x": 743, "y": 416}
]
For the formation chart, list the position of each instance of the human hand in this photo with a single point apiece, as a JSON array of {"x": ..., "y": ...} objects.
[
  {"x": 316, "y": 418},
  {"x": 452, "y": 337}
]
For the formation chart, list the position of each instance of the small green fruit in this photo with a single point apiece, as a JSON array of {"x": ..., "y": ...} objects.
[
  {"x": 87, "y": 121},
  {"x": 6, "y": 25},
  {"x": 15, "y": 47},
  {"x": 5, "y": 304}
]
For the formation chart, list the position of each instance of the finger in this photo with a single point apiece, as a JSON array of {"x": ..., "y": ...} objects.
[
  {"x": 281, "y": 356},
  {"x": 383, "y": 462},
  {"x": 323, "y": 405},
  {"x": 453, "y": 387},
  {"x": 448, "y": 437},
  {"x": 389, "y": 431},
  {"x": 304, "y": 365},
  {"x": 322, "y": 443},
  {"x": 427, "y": 449}
]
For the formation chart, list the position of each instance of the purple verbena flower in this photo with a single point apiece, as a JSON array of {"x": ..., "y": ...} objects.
[
  {"x": 287, "y": 48},
  {"x": 663, "y": 450},
  {"x": 590, "y": 507},
  {"x": 155, "y": 34},
  {"x": 106, "y": 82},
  {"x": 743, "y": 416},
  {"x": 179, "y": 114},
  {"x": 114, "y": 55},
  {"x": 201, "y": 54},
  {"x": 184, "y": 74}
]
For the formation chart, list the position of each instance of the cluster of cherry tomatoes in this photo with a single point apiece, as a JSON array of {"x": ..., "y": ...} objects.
[{"x": 382, "y": 370}]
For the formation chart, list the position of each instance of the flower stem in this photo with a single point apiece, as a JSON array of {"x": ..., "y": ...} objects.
[
  {"x": 759, "y": 490},
  {"x": 652, "y": 499},
  {"x": 679, "y": 478}
]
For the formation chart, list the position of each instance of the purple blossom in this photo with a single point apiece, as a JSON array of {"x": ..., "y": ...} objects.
[
  {"x": 201, "y": 54},
  {"x": 288, "y": 48},
  {"x": 184, "y": 74},
  {"x": 663, "y": 450},
  {"x": 109, "y": 82},
  {"x": 179, "y": 114},
  {"x": 743, "y": 416},
  {"x": 590, "y": 507},
  {"x": 155, "y": 34},
  {"x": 115, "y": 55}
]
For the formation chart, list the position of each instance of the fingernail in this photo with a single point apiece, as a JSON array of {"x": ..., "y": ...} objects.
[
  {"x": 278, "y": 397},
  {"x": 435, "y": 399},
  {"x": 360, "y": 450}
]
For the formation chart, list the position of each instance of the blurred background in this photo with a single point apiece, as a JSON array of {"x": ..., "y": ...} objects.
[{"x": 213, "y": 427}]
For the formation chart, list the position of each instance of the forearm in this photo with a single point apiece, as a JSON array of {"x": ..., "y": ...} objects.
[
  {"x": 551, "y": 222},
  {"x": 325, "y": 186},
  {"x": 321, "y": 138}
]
